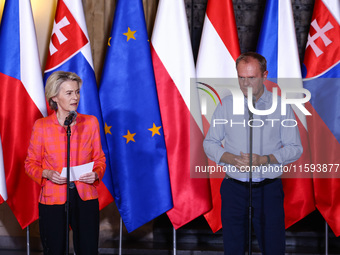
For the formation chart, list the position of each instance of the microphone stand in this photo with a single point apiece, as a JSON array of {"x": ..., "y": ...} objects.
[
  {"x": 250, "y": 210},
  {"x": 67, "y": 205}
]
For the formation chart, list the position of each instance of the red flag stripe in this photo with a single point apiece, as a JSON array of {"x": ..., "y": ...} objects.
[
  {"x": 221, "y": 16},
  {"x": 16, "y": 131}
]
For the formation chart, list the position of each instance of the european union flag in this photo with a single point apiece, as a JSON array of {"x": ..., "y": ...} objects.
[{"x": 133, "y": 125}]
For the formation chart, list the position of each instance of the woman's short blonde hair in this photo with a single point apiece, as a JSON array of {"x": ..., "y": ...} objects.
[{"x": 53, "y": 83}]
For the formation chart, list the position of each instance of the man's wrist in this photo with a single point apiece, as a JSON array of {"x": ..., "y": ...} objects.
[{"x": 265, "y": 160}]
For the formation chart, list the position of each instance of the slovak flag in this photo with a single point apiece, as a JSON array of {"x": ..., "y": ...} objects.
[
  {"x": 22, "y": 101},
  {"x": 277, "y": 43},
  {"x": 322, "y": 72},
  {"x": 70, "y": 50},
  {"x": 219, "y": 49}
]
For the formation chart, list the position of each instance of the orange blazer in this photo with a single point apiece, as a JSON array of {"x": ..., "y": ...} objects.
[{"x": 48, "y": 150}]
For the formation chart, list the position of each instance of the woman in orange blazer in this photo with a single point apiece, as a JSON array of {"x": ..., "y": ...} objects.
[{"x": 47, "y": 156}]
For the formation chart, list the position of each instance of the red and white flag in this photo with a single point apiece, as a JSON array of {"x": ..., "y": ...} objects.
[
  {"x": 22, "y": 101},
  {"x": 219, "y": 48},
  {"x": 174, "y": 67}
]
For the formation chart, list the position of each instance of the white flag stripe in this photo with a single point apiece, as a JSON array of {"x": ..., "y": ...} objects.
[
  {"x": 3, "y": 190},
  {"x": 334, "y": 8},
  {"x": 288, "y": 60},
  {"x": 29, "y": 57},
  {"x": 214, "y": 59}
]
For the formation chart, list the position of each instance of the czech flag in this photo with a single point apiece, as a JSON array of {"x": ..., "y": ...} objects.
[
  {"x": 277, "y": 43},
  {"x": 22, "y": 101}
]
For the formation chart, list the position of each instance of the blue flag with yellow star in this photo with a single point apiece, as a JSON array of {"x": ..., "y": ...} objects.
[{"x": 133, "y": 127}]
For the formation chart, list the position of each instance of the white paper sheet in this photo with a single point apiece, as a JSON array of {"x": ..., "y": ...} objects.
[{"x": 77, "y": 171}]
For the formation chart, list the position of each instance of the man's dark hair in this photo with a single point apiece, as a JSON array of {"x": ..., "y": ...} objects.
[{"x": 253, "y": 55}]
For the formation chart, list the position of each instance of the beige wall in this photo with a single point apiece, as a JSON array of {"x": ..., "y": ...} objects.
[{"x": 99, "y": 16}]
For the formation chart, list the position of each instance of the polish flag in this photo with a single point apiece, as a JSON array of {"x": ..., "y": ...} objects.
[
  {"x": 219, "y": 48},
  {"x": 22, "y": 101},
  {"x": 178, "y": 98}
]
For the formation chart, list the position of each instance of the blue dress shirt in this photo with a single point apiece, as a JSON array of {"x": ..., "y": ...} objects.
[{"x": 272, "y": 134}]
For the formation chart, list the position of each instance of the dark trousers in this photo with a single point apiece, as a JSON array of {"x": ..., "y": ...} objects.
[
  {"x": 267, "y": 220},
  {"x": 84, "y": 221}
]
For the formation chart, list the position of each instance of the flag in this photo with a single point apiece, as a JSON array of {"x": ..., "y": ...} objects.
[
  {"x": 22, "y": 101},
  {"x": 182, "y": 124},
  {"x": 277, "y": 43},
  {"x": 219, "y": 48},
  {"x": 70, "y": 51},
  {"x": 322, "y": 73},
  {"x": 3, "y": 189},
  {"x": 134, "y": 130}
]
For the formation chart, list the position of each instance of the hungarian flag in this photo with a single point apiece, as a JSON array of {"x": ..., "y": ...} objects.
[
  {"x": 135, "y": 133},
  {"x": 3, "y": 189},
  {"x": 322, "y": 72},
  {"x": 277, "y": 43},
  {"x": 22, "y": 101},
  {"x": 174, "y": 69},
  {"x": 70, "y": 50},
  {"x": 219, "y": 48}
]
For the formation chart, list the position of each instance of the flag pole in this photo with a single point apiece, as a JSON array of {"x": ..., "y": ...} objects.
[
  {"x": 120, "y": 235},
  {"x": 326, "y": 238},
  {"x": 28, "y": 240},
  {"x": 174, "y": 241}
]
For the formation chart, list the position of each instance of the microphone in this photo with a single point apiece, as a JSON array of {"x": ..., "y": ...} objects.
[
  {"x": 70, "y": 118},
  {"x": 253, "y": 103}
]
